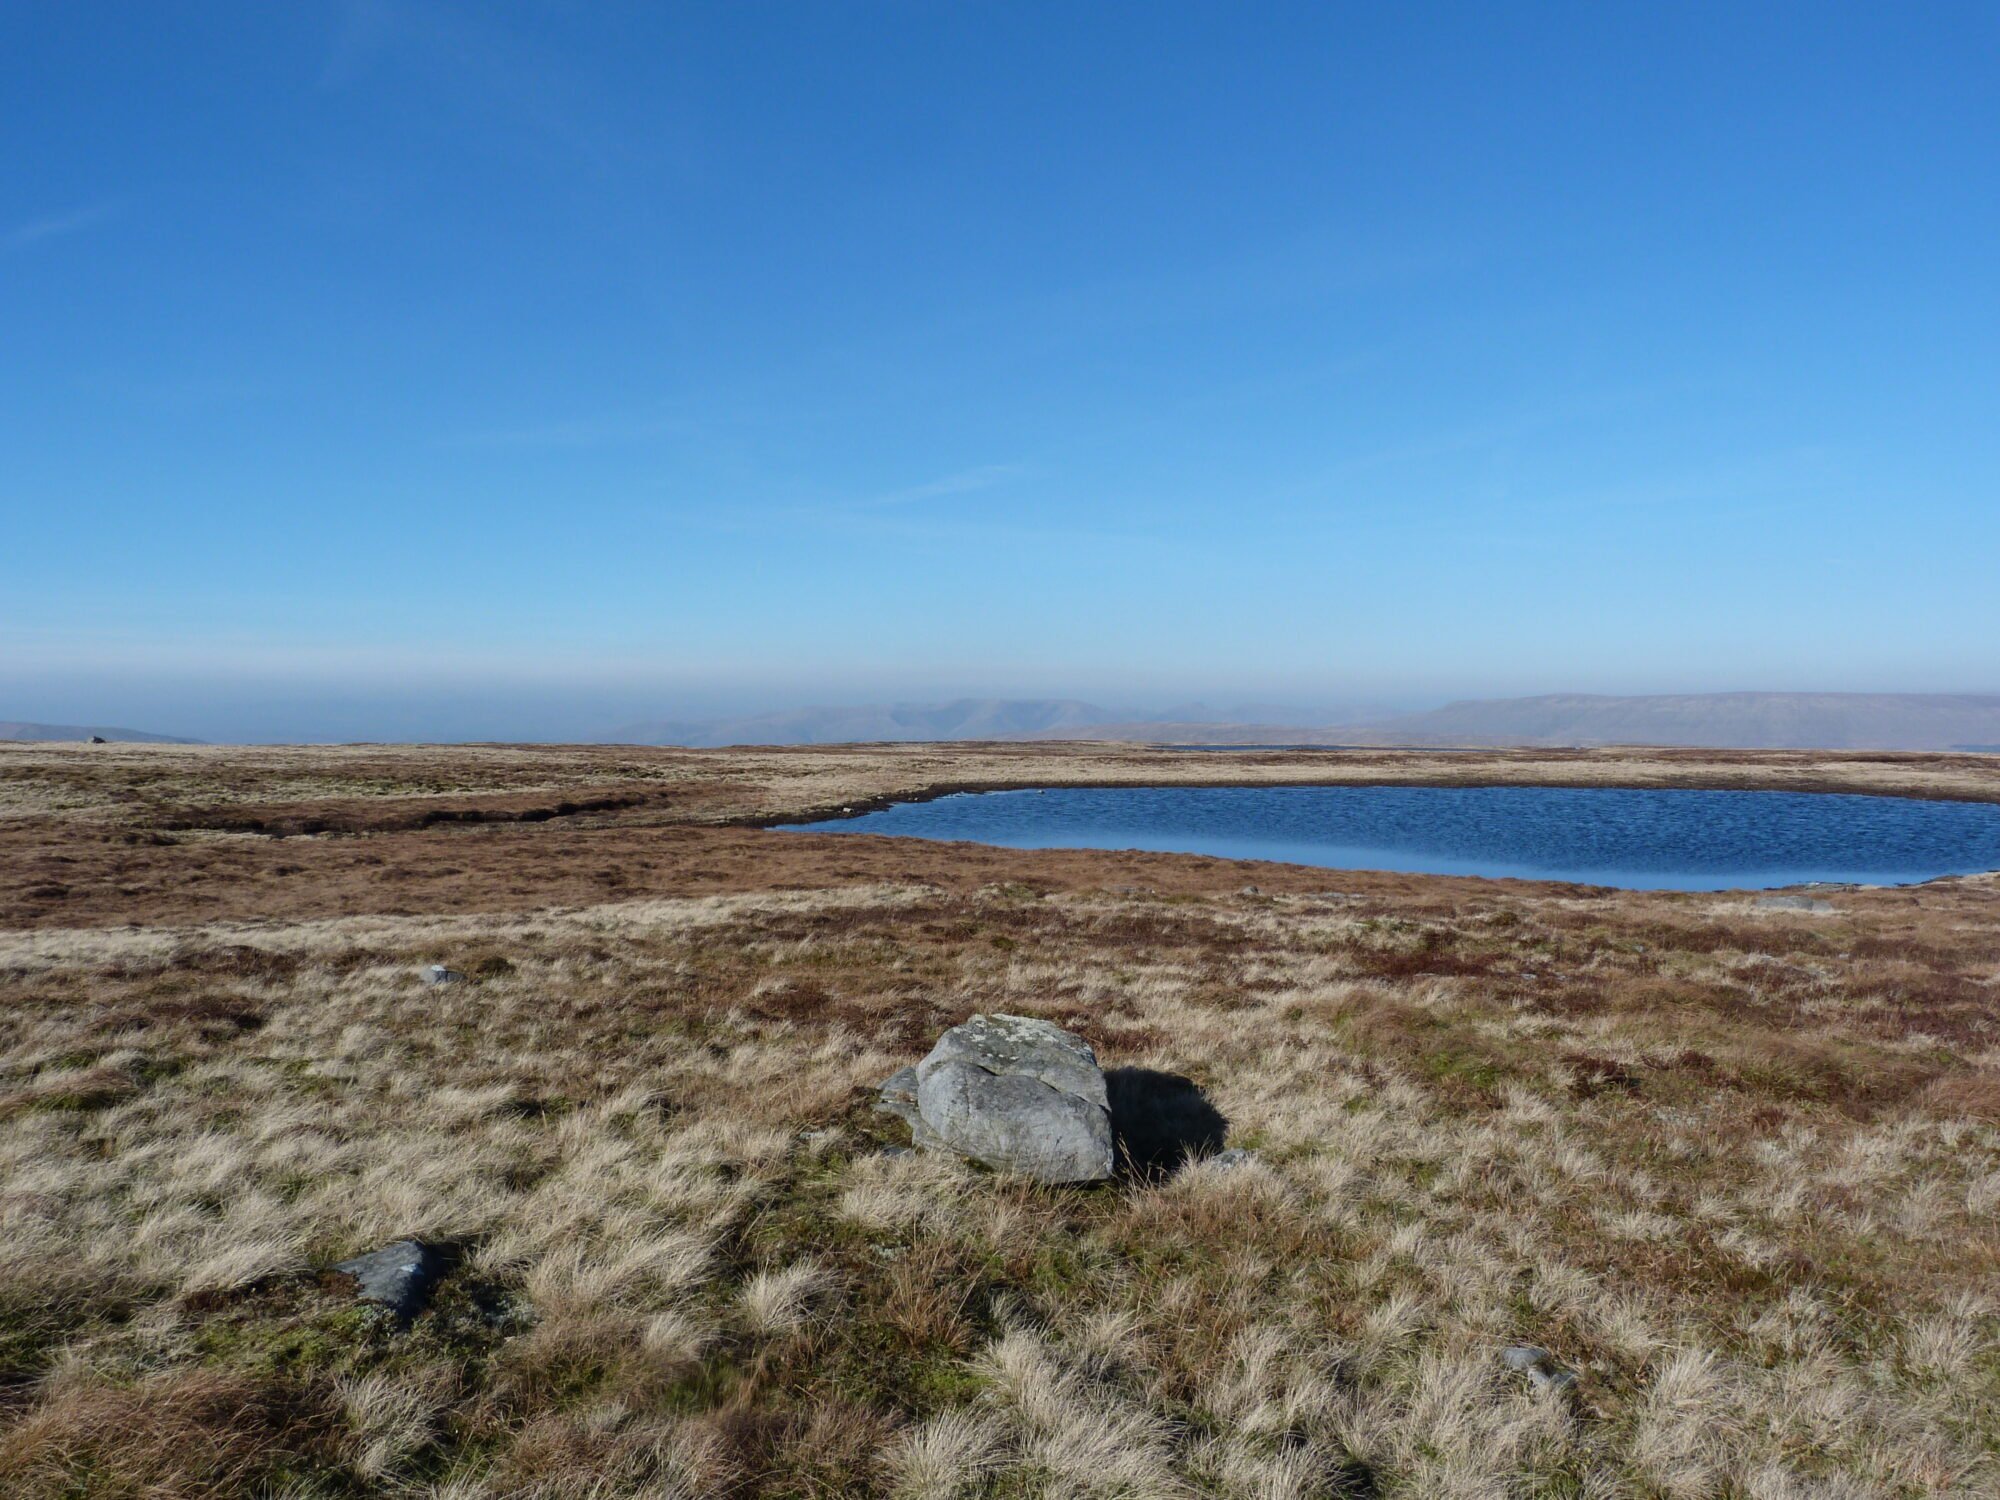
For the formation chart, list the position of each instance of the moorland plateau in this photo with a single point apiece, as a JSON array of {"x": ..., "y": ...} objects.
[{"x": 1736, "y": 1166}]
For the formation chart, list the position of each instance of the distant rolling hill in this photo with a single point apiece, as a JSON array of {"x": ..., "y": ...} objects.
[
  {"x": 1723, "y": 721},
  {"x": 1728, "y": 721},
  {"x": 962, "y": 719},
  {"x": 19, "y": 730},
  {"x": 1776, "y": 721}
]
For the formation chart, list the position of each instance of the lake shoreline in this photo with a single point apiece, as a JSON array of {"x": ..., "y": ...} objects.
[
  {"x": 168, "y": 833},
  {"x": 1655, "y": 838}
]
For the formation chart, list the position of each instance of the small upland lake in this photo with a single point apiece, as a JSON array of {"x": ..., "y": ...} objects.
[{"x": 1642, "y": 839}]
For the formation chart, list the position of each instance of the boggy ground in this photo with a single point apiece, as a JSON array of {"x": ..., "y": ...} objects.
[{"x": 1738, "y": 1167}]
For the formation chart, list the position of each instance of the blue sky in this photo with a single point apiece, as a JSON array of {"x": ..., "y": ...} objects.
[{"x": 428, "y": 369}]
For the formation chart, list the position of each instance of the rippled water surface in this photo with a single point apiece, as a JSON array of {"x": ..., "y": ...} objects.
[{"x": 1657, "y": 840}]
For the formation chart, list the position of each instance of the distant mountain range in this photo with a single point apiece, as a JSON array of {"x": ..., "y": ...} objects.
[
  {"x": 962, "y": 719},
  {"x": 1777, "y": 721},
  {"x": 19, "y": 730},
  {"x": 1722, "y": 721},
  {"x": 1805, "y": 721}
]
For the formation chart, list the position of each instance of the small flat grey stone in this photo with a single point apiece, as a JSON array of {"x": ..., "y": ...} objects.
[
  {"x": 399, "y": 1276},
  {"x": 439, "y": 974}
]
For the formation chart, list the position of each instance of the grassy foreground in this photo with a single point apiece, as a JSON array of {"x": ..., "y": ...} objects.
[{"x": 1738, "y": 1167}]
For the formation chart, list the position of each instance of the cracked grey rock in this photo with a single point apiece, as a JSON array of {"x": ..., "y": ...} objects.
[
  {"x": 1011, "y": 1092},
  {"x": 399, "y": 1277}
]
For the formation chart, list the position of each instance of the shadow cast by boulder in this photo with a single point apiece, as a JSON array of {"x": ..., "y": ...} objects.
[{"x": 1160, "y": 1121}]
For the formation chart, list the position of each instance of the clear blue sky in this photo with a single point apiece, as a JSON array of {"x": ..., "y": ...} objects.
[{"x": 421, "y": 368}]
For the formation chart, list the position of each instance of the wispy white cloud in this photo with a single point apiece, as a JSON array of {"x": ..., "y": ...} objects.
[
  {"x": 364, "y": 28},
  {"x": 55, "y": 226},
  {"x": 598, "y": 430},
  {"x": 913, "y": 514},
  {"x": 467, "y": 55},
  {"x": 965, "y": 482}
]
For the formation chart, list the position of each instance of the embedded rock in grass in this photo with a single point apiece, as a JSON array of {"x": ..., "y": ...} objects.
[
  {"x": 1792, "y": 903},
  {"x": 899, "y": 1098},
  {"x": 398, "y": 1277},
  {"x": 439, "y": 974},
  {"x": 899, "y": 1095},
  {"x": 1016, "y": 1094},
  {"x": 1540, "y": 1366}
]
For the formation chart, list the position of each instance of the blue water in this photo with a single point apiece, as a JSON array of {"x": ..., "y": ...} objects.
[{"x": 1648, "y": 840}]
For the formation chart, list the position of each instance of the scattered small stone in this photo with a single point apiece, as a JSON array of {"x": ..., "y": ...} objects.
[
  {"x": 98, "y": 739},
  {"x": 1792, "y": 903},
  {"x": 1540, "y": 1366},
  {"x": 1249, "y": 890},
  {"x": 439, "y": 974},
  {"x": 1230, "y": 1160},
  {"x": 894, "y": 1152},
  {"x": 398, "y": 1277}
]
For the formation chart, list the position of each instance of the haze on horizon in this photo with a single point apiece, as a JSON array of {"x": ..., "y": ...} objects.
[{"x": 406, "y": 369}]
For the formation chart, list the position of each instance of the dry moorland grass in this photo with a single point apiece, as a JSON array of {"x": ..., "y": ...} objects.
[
  {"x": 1738, "y": 1168},
  {"x": 227, "y": 787}
]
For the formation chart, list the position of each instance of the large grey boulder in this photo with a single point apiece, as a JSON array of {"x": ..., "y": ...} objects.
[{"x": 1012, "y": 1092}]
